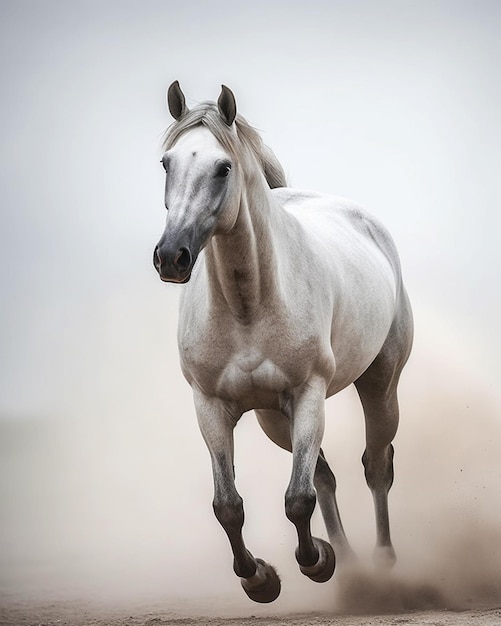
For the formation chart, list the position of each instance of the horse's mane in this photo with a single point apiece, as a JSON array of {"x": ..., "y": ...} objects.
[{"x": 207, "y": 114}]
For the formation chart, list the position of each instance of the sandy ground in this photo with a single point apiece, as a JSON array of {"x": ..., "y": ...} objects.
[
  {"x": 67, "y": 614},
  {"x": 359, "y": 600}
]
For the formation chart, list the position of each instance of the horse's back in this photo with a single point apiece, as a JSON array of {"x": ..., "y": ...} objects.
[
  {"x": 353, "y": 242},
  {"x": 362, "y": 259},
  {"x": 337, "y": 220}
]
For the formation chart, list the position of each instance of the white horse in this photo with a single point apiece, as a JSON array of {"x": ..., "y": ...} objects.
[{"x": 291, "y": 297}]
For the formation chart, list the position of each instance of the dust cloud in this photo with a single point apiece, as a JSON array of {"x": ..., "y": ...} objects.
[
  {"x": 444, "y": 505},
  {"x": 109, "y": 500}
]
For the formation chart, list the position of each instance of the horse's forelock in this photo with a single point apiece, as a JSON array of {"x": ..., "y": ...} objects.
[{"x": 207, "y": 115}]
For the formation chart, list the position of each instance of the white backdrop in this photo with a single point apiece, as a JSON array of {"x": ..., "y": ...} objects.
[{"x": 105, "y": 480}]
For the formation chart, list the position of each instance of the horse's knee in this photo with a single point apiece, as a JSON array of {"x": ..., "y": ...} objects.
[
  {"x": 229, "y": 513},
  {"x": 379, "y": 468},
  {"x": 299, "y": 506}
]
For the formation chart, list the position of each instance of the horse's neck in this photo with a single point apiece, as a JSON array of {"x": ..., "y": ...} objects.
[{"x": 242, "y": 264}]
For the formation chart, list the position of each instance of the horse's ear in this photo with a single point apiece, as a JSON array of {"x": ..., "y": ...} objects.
[
  {"x": 227, "y": 105},
  {"x": 176, "y": 101}
]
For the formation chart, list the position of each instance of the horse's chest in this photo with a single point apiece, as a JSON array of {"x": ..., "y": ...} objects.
[
  {"x": 240, "y": 368},
  {"x": 250, "y": 370}
]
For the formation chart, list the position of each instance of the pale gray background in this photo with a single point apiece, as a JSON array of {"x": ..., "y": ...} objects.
[{"x": 105, "y": 482}]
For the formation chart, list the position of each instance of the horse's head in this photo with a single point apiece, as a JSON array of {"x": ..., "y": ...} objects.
[{"x": 201, "y": 181}]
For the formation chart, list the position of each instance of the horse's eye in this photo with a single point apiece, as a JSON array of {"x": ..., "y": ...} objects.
[
  {"x": 223, "y": 169},
  {"x": 165, "y": 163}
]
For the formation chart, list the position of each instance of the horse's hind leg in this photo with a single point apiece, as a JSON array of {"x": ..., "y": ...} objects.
[
  {"x": 325, "y": 484},
  {"x": 377, "y": 388},
  {"x": 259, "y": 579},
  {"x": 381, "y": 417}
]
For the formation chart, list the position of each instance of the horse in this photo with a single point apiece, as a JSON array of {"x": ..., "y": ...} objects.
[{"x": 289, "y": 296}]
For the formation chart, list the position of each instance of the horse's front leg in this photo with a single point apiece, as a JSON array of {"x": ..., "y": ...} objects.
[
  {"x": 217, "y": 421},
  {"x": 306, "y": 411}
]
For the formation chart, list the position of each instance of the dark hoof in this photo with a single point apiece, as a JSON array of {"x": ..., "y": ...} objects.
[
  {"x": 324, "y": 567},
  {"x": 264, "y": 586}
]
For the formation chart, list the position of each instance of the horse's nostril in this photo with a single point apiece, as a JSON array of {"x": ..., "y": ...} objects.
[
  {"x": 157, "y": 261},
  {"x": 183, "y": 259}
]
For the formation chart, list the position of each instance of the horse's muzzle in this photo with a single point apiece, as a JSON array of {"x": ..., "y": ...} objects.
[{"x": 173, "y": 267}]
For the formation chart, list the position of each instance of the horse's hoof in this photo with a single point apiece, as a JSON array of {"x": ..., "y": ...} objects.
[
  {"x": 264, "y": 586},
  {"x": 324, "y": 567}
]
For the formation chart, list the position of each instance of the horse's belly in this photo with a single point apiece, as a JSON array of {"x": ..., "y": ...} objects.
[
  {"x": 355, "y": 351},
  {"x": 349, "y": 370}
]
